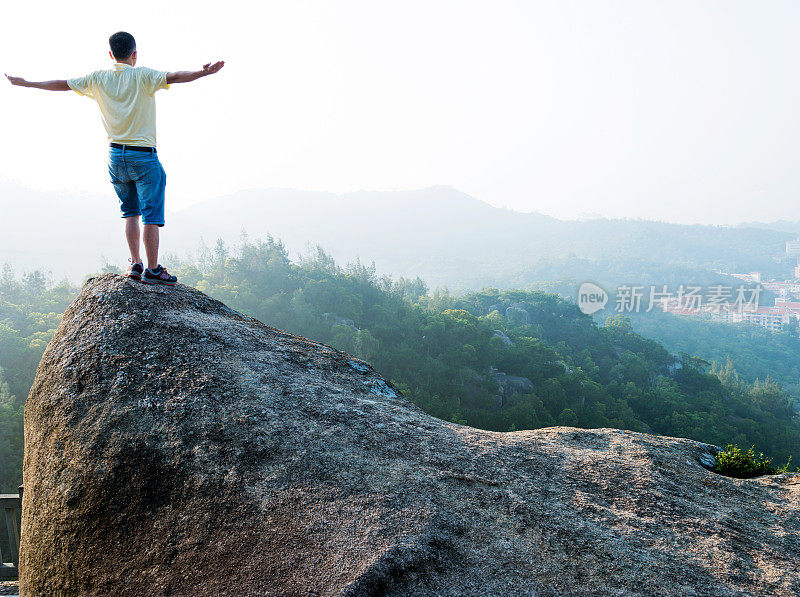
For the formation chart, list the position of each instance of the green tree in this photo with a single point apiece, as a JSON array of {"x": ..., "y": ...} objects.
[{"x": 10, "y": 440}]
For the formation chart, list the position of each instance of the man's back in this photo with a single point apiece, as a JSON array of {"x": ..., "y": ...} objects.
[{"x": 125, "y": 95}]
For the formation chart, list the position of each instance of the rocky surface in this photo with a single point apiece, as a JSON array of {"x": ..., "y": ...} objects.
[{"x": 175, "y": 447}]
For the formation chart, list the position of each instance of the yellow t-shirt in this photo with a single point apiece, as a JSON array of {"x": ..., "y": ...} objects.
[{"x": 126, "y": 96}]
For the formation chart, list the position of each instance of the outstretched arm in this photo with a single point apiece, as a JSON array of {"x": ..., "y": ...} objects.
[
  {"x": 57, "y": 85},
  {"x": 187, "y": 75}
]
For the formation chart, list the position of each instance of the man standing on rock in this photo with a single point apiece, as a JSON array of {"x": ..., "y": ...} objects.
[{"x": 126, "y": 97}]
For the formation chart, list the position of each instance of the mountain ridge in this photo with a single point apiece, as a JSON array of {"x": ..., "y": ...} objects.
[{"x": 440, "y": 234}]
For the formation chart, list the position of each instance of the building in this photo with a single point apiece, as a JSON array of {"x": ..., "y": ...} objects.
[
  {"x": 752, "y": 277},
  {"x": 738, "y": 309},
  {"x": 793, "y": 248},
  {"x": 773, "y": 318},
  {"x": 783, "y": 289}
]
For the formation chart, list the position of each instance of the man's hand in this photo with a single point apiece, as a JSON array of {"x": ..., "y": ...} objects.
[
  {"x": 212, "y": 68},
  {"x": 16, "y": 80},
  {"x": 57, "y": 85},
  {"x": 187, "y": 76}
]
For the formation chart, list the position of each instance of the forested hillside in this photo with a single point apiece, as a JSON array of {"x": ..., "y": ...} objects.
[
  {"x": 30, "y": 310},
  {"x": 499, "y": 360},
  {"x": 757, "y": 352}
]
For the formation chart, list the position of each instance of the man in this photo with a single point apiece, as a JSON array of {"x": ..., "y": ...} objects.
[{"x": 125, "y": 95}]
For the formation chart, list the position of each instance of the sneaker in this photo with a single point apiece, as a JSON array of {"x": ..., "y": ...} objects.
[
  {"x": 136, "y": 270},
  {"x": 159, "y": 275}
]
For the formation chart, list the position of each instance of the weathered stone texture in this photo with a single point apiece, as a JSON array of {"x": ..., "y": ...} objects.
[{"x": 175, "y": 447}]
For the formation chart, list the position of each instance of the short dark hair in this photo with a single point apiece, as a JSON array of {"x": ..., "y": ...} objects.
[{"x": 122, "y": 45}]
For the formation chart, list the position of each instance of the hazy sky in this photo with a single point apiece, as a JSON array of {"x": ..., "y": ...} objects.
[{"x": 685, "y": 111}]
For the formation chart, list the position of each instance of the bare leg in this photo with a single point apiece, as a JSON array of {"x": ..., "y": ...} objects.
[
  {"x": 132, "y": 234},
  {"x": 150, "y": 238}
]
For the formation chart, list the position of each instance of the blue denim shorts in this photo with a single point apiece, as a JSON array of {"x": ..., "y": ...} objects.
[{"x": 140, "y": 182}]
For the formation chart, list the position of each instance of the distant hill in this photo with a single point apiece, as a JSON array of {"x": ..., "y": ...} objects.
[
  {"x": 58, "y": 232},
  {"x": 440, "y": 234},
  {"x": 779, "y": 226}
]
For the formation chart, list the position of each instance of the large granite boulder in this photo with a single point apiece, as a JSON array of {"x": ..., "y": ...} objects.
[{"x": 176, "y": 447}]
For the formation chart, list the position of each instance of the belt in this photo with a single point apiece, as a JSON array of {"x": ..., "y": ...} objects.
[{"x": 134, "y": 147}]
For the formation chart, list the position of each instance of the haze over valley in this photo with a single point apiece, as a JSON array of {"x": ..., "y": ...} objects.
[{"x": 440, "y": 234}]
